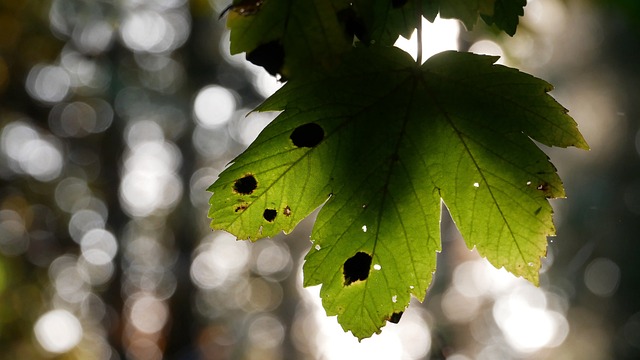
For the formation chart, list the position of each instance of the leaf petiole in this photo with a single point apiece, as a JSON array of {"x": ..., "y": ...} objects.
[{"x": 419, "y": 30}]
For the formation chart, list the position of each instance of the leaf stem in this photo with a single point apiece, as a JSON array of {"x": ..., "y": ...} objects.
[{"x": 419, "y": 29}]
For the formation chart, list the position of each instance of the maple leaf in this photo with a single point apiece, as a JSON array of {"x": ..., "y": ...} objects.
[
  {"x": 288, "y": 37},
  {"x": 383, "y": 20},
  {"x": 380, "y": 144}
]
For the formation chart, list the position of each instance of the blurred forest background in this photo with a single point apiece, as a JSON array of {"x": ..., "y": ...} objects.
[{"x": 115, "y": 116}]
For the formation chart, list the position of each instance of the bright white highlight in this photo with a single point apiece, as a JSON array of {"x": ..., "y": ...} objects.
[
  {"x": 30, "y": 152},
  {"x": 48, "y": 83},
  {"x": 213, "y": 106},
  {"x": 99, "y": 246},
  {"x": 154, "y": 32},
  {"x": 487, "y": 47},
  {"x": 409, "y": 339},
  {"x": 438, "y": 36},
  {"x": 219, "y": 260},
  {"x": 526, "y": 322},
  {"x": 602, "y": 277},
  {"x": 149, "y": 182},
  {"x": 149, "y": 314},
  {"x": 58, "y": 331}
]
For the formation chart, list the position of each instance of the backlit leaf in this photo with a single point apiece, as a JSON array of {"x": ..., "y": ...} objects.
[{"x": 381, "y": 144}]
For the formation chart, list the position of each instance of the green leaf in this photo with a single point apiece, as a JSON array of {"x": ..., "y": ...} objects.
[
  {"x": 380, "y": 144},
  {"x": 466, "y": 11},
  {"x": 384, "y": 20},
  {"x": 289, "y": 37},
  {"x": 506, "y": 15},
  {"x": 306, "y": 32}
]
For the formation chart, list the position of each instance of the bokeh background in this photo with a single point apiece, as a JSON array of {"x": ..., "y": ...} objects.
[{"x": 115, "y": 116}]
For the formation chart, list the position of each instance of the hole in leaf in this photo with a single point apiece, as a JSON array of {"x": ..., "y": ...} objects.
[
  {"x": 395, "y": 317},
  {"x": 357, "y": 268},
  {"x": 307, "y": 135},
  {"x": 286, "y": 211},
  {"x": 245, "y": 185},
  {"x": 269, "y": 214},
  {"x": 270, "y": 56}
]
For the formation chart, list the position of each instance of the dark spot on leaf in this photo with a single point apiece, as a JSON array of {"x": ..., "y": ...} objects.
[
  {"x": 245, "y": 185},
  {"x": 398, "y": 3},
  {"x": 270, "y": 56},
  {"x": 287, "y": 211},
  {"x": 395, "y": 317},
  {"x": 241, "y": 207},
  {"x": 546, "y": 189},
  {"x": 307, "y": 135},
  {"x": 269, "y": 214},
  {"x": 244, "y": 7},
  {"x": 357, "y": 268},
  {"x": 537, "y": 211},
  {"x": 352, "y": 24}
]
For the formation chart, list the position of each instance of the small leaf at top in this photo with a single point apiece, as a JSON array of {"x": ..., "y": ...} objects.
[
  {"x": 384, "y": 143},
  {"x": 505, "y": 15},
  {"x": 466, "y": 11},
  {"x": 285, "y": 36}
]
